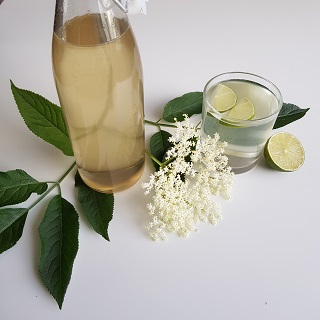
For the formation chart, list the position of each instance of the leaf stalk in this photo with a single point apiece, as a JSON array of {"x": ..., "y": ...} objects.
[
  {"x": 158, "y": 124},
  {"x": 54, "y": 185}
]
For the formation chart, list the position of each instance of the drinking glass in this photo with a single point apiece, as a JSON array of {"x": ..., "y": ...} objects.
[{"x": 246, "y": 138}]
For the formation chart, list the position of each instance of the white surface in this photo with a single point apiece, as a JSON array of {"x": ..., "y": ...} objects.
[{"x": 262, "y": 260}]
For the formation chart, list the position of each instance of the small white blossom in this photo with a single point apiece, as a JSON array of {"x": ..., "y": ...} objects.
[{"x": 183, "y": 189}]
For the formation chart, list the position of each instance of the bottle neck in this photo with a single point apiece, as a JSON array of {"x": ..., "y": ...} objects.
[
  {"x": 68, "y": 9},
  {"x": 123, "y": 6},
  {"x": 108, "y": 18}
]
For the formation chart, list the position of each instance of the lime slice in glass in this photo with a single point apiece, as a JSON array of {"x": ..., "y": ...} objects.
[
  {"x": 243, "y": 110},
  {"x": 224, "y": 99},
  {"x": 284, "y": 152}
]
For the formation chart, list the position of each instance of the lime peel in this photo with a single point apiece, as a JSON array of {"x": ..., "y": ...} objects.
[
  {"x": 244, "y": 110},
  {"x": 284, "y": 152},
  {"x": 224, "y": 99}
]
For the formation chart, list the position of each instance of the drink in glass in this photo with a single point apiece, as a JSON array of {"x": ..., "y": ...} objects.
[{"x": 245, "y": 137}]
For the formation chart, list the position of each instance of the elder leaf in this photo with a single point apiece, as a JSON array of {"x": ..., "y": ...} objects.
[
  {"x": 59, "y": 237},
  {"x": 189, "y": 103},
  {"x": 159, "y": 145},
  {"x": 16, "y": 186},
  {"x": 12, "y": 222},
  {"x": 289, "y": 113},
  {"x": 97, "y": 207},
  {"x": 43, "y": 118}
]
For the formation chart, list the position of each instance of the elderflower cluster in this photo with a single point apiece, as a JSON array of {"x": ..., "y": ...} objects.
[{"x": 184, "y": 187}]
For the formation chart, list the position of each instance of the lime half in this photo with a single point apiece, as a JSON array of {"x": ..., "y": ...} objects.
[
  {"x": 244, "y": 110},
  {"x": 224, "y": 99},
  {"x": 284, "y": 152}
]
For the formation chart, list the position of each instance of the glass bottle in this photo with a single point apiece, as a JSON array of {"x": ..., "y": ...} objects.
[{"x": 98, "y": 76}]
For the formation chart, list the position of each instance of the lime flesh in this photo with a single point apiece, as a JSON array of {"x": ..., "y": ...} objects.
[
  {"x": 224, "y": 99},
  {"x": 284, "y": 152},
  {"x": 244, "y": 110}
]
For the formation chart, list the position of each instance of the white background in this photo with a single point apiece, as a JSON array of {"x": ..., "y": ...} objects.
[{"x": 262, "y": 260}]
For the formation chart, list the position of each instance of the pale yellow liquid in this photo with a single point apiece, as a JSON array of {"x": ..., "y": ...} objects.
[
  {"x": 246, "y": 140},
  {"x": 99, "y": 83}
]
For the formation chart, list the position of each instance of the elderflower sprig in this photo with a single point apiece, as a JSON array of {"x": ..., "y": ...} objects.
[{"x": 193, "y": 171}]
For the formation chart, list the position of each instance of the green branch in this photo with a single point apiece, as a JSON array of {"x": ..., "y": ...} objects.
[
  {"x": 157, "y": 124},
  {"x": 153, "y": 158},
  {"x": 54, "y": 185}
]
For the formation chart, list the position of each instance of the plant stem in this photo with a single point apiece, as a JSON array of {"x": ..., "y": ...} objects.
[
  {"x": 167, "y": 162},
  {"x": 158, "y": 124},
  {"x": 153, "y": 158},
  {"x": 54, "y": 185},
  {"x": 161, "y": 164}
]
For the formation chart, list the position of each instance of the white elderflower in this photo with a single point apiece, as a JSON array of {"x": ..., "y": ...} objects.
[{"x": 196, "y": 169}]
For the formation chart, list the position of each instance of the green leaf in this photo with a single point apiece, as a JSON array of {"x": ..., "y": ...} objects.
[
  {"x": 12, "y": 221},
  {"x": 97, "y": 207},
  {"x": 159, "y": 145},
  {"x": 16, "y": 186},
  {"x": 189, "y": 103},
  {"x": 59, "y": 237},
  {"x": 289, "y": 113},
  {"x": 43, "y": 118}
]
